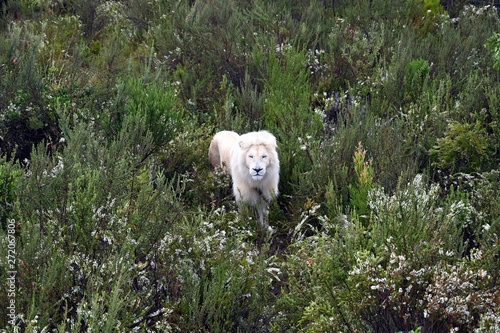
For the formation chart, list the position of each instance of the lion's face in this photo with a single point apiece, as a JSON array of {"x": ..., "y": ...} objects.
[{"x": 257, "y": 159}]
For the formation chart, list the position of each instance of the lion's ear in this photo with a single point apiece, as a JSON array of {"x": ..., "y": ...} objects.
[{"x": 244, "y": 145}]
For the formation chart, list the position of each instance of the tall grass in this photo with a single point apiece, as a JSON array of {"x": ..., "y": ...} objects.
[{"x": 386, "y": 117}]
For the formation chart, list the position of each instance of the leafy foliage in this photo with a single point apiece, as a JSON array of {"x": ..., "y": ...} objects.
[
  {"x": 387, "y": 120},
  {"x": 493, "y": 45},
  {"x": 464, "y": 144}
]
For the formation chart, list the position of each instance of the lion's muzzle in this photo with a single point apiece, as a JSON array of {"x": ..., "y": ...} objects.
[{"x": 257, "y": 172}]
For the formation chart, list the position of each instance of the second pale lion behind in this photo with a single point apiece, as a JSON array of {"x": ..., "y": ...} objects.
[{"x": 252, "y": 161}]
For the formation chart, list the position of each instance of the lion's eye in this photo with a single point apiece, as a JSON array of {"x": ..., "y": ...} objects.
[
  {"x": 251, "y": 156},
  {"x": 264, "y": 156}
]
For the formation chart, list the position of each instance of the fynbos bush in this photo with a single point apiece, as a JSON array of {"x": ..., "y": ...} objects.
[{"x": 107, "y": 109}]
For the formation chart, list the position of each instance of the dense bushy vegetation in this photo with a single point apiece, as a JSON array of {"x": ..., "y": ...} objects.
[{"x": 387, "y": 115}]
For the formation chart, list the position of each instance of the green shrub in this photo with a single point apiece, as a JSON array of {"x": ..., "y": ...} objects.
[
  {"x": 493, "y": 45},
  {"x": 364, "y": 184},
  {"x": 463, "y": 149},
  {"x": 121, "y": 224},
  {"x": 232, "y": 293},
  {"x": 316, "y": 272},
  {"x": 408, "y": 269},
  {"x": 156, "y": 104},
  {"x": 287, "y": 113},
  {"x": 186, "y": 156},
  {"x": 9, "y": 179},
  {"x": 362, "y": 14},
  {"x": 107, "y": 209},
  {"x": 249, "y": 100},
  {"x": 425, "y": 14},
  {"x": 416, "y": 78},
  {"x": 27, "y": 113},
  {"x": 209, "y": 42}
]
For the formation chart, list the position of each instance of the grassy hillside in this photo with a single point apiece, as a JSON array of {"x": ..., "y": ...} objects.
[{"x": 387, "y": 116}]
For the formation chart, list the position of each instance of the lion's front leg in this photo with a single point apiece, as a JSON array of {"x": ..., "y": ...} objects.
[{"x": 263, "y": 214}]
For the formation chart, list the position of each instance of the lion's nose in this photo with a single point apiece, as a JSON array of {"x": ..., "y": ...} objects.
[{"x": 257, "y": 169}]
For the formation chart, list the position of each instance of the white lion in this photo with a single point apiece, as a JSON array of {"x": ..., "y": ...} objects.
[{"x": 252, "y": 161}]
